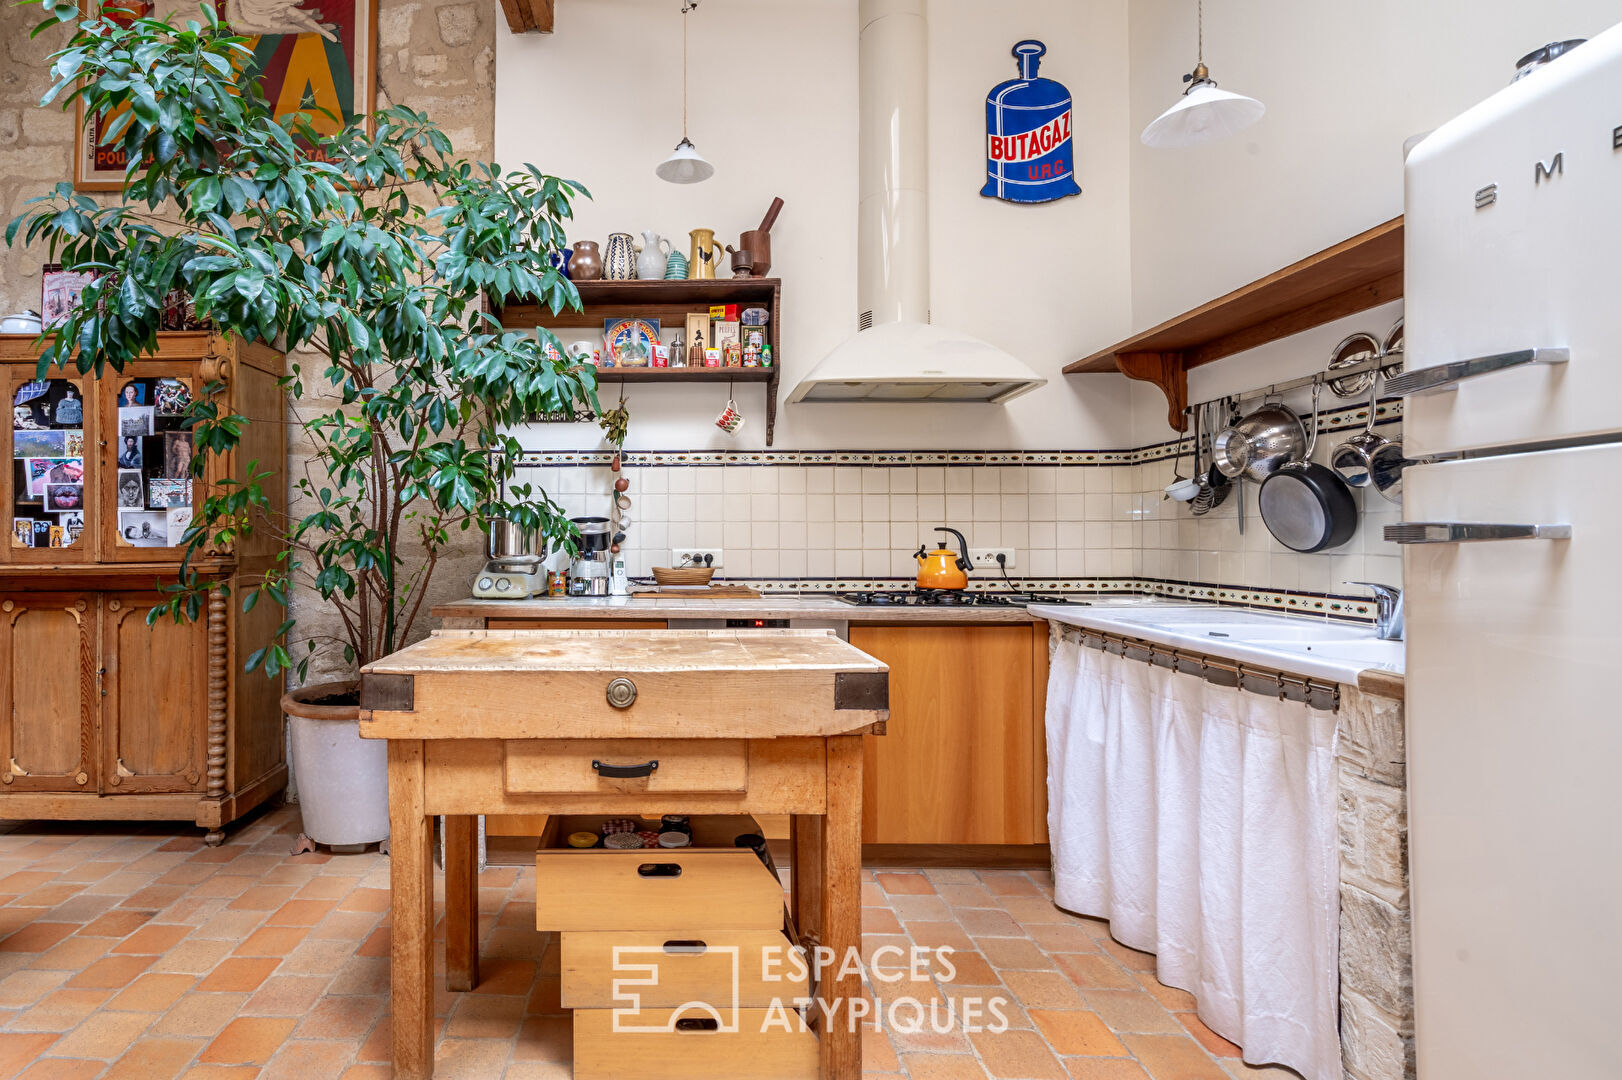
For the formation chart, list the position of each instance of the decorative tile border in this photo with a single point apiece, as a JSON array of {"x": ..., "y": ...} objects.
[
  {"x": 1346, "y": 419},
  {"x": 1327, "y": 605}
]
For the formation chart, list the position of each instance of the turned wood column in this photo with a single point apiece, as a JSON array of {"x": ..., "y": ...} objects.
[{"x": 217, "y": 683}]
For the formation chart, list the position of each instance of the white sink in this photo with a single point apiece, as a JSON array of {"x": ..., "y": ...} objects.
[
  {"x": 1307, "y": 632},
  {"x": 1385, "y": 654},
  {"x": 1301, "y": 644}
]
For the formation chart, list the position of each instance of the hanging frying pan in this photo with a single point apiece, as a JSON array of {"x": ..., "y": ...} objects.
[{"x": 1305, "y": 505}]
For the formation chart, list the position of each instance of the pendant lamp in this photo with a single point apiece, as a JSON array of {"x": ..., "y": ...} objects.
[
  {"x": 685, "y": 165},
  {"x": 1204, "y": 113}
]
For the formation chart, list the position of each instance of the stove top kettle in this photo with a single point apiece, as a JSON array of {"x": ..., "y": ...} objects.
[{"x": 944, "y": 568}]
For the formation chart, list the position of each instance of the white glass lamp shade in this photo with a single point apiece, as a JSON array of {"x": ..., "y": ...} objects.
[
  {"x": 685, "y": 165},
  {"x": 1204, "y": 114}
]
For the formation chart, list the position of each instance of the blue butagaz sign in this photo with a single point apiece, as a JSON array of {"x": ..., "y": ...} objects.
[{"x": 1029, "y": 155}]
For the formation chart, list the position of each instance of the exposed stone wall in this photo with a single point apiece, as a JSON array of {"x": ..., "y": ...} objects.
[
  {"x": 1376, "y": 947},
  {"x": 436, "y": 57}
]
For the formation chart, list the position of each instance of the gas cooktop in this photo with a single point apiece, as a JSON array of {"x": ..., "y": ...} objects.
[{"x": 948, "y": 598}]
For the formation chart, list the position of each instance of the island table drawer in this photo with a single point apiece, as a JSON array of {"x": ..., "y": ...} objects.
[
  {"x": 656, "y": 890},
  {"x": 659, "y": 1044},
  {"x": 655, "y": 766},
  {"x": 723, "y": 968}
]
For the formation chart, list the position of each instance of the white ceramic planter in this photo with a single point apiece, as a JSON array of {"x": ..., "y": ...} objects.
[{"x": 342, "y": 779}]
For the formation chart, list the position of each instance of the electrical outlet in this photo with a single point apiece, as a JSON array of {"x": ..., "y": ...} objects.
[
  {"x": 986, "y": 558},
  {"x": 695, "y": 556}
]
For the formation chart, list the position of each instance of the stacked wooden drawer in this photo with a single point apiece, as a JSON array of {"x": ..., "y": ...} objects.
[{"x": 675, "y": 962}]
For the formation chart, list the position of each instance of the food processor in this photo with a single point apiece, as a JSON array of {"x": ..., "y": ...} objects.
[{"x": 513, "y": 571}]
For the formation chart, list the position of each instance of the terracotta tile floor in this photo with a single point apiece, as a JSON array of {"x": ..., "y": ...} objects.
[{"x": 135, "y": 952}]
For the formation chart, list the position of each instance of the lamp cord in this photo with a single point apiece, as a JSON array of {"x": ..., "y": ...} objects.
[
  {"x": 687, "y": 5},
  {"x": 1199, "y": 50}
]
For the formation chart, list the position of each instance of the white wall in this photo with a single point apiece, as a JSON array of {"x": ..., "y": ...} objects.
[
  {"x": 599, "y": 101},
  {"x": 1344, "y": 85}
]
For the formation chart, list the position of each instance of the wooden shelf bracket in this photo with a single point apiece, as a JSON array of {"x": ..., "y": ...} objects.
[{"x": 1166, "y": 371}]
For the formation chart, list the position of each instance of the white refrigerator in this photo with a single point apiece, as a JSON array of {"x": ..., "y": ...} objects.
[{"x": 1513, "y": 577}]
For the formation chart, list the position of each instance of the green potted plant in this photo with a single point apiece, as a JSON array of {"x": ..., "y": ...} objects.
[{"x": 365, "y": 255}]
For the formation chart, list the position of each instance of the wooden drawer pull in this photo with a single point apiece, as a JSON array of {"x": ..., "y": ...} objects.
[
  {"x": 688, "y": 947},
  {"x": 624, "y": 772},
  {"x": 698, "y": 1023},
  {"x": 659, "y": 869}
]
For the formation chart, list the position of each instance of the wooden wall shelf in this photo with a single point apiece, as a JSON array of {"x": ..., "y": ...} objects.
[
  {"x": 1354, "y": 275},
  {"x": 670, "y": 302}
]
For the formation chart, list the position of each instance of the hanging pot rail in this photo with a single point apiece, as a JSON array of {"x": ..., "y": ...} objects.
[{"x": 1373, "y": 363}]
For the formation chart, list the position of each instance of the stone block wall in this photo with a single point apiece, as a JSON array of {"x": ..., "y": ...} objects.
[
  {"x": 1376, "y": 947},
  {"x": 436, "y": 57}
]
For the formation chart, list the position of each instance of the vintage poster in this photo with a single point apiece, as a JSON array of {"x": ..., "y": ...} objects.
[{"x": 319, "y": 56}]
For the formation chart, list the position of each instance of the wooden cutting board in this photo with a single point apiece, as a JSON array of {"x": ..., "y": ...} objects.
[{"x": 714, "y": 592}]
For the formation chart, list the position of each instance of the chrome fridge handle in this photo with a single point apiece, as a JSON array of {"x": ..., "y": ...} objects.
[
  {"x": 1448, "y": 376},
  {"x": 1465, "y": 532}
]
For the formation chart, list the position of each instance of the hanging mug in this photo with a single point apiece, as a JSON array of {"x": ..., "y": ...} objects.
[
  {"x": 730, "y": 419},
  {"x": 619, "y": 258},
  {"x": 705, "y": 255}
]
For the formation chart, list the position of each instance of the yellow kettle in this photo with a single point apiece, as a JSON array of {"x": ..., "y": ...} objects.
[{"x": 942, "y": 568}]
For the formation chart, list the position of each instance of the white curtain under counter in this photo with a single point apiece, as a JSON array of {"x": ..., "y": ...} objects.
[{"x": 1200, "y": 820}]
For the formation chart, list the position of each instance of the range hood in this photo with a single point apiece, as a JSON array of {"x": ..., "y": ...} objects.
[{"x": 896, "y": 354}]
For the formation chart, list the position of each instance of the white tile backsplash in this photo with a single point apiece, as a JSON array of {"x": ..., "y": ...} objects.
[{"x": 821, "y": 521}]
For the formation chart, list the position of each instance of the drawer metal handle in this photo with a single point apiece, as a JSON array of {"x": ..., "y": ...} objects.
[
  {"x": 624, "y": 772},
  {"x": 686, "y": 947},
  {"x": 1448, "y": 376},
  {"x": 1466, "y": 532},
  {"x": 659, "y": 869},
  {"x": 698, "y": 1023},
  {"x": 621, "y": 692}
]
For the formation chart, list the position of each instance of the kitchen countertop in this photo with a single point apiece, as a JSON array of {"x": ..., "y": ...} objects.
[
  {"x": 1345, "y": 653},
  {"x": 767, "y": 606}
]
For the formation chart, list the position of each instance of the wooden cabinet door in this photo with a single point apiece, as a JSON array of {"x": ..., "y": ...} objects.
[
  {"x": 153, "y": 713},
  {"x": 47, "y": 692},
  {"x": 958, "y": 765}
]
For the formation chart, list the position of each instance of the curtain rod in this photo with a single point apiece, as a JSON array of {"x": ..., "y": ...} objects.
[{"x": 1315, "y": 693}]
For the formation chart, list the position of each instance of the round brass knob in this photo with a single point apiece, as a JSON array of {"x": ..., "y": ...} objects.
[{"x": 621, "y": 692}]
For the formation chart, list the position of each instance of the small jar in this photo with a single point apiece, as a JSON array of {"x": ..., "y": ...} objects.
[
  {"x": 675, "y": 839},
  {"x": 583, "y": 840},
  {"x": 622, "y": 841}
]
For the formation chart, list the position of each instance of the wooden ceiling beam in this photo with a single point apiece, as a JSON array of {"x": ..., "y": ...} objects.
[{"x": 528, "y": 16}]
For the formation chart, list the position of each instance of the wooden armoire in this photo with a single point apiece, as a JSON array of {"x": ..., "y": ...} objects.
[{"x": 102, "y": 716}]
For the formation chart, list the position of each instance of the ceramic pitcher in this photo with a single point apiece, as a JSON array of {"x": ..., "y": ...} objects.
[
  {"x": 587, "y": 264},
  {"x": 619, "y": 258},
  {"x": 705, "y": 255},
  {"x": 650, "y": 264}
]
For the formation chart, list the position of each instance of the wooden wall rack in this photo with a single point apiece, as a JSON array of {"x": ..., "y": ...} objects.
[
  {"x": 670, "y": 302},
  {"x": 1354, "y": 275}
]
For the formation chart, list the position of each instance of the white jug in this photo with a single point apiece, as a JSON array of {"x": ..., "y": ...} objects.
[{"x": 650, "y": 262}]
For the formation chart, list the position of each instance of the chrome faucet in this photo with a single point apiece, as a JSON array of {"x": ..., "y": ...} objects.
[{"x": 1388, "y": 624}]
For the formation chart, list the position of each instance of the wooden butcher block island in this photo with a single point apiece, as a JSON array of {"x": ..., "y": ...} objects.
[{"x": 581, "y": 725}]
